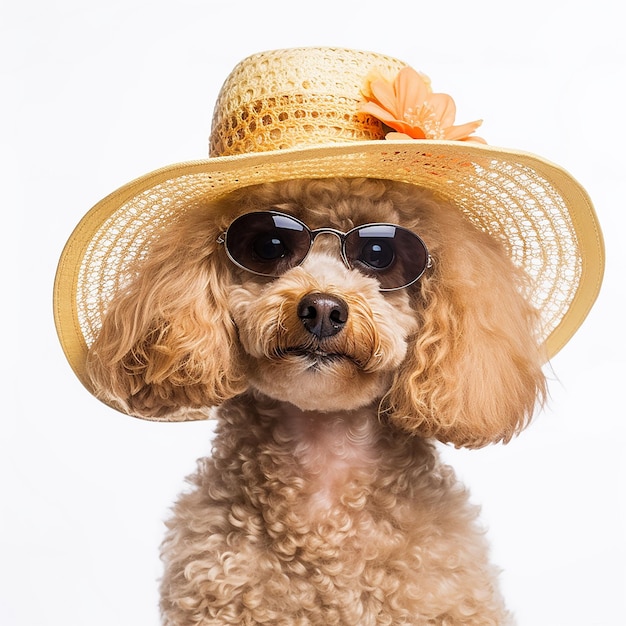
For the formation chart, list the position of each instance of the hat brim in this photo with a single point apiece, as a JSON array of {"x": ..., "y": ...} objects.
[{"x": 542, "y": 214}]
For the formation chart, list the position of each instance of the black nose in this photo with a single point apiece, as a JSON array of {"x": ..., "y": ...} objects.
[{"x": 322, "y": 314}]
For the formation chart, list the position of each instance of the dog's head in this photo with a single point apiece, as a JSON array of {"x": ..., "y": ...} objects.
[{"x": 453, "y": 355}]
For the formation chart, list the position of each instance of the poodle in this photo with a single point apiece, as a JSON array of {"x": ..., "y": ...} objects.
[{"x": 337, "y": 329}]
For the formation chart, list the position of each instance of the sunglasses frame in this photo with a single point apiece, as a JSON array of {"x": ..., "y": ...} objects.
[{"x": 313, "y": 233}]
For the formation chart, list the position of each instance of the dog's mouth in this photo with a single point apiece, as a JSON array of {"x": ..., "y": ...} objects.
[{"x": 317, "y": 357}]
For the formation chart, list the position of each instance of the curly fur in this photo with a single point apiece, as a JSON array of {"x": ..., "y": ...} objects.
[{"x": 323, "y": 501}]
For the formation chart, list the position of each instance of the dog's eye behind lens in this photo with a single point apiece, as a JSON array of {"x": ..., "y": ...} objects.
[
  {"x": 378, "y": 254},
  {"x": 269, "y": 247}
]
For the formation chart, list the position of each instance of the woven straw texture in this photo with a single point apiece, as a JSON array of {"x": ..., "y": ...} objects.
[
  {"x": 278, "y": 118},
  {"x": 286, "y": 98}
]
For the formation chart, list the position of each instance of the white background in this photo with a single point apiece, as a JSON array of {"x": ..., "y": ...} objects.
[{"x": 97, "y": 93}]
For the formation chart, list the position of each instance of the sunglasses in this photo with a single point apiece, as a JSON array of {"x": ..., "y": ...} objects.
[{"x": 269, "y": 243}]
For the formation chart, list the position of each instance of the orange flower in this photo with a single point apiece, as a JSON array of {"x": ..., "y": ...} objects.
[{"x": 409, "y": 106}]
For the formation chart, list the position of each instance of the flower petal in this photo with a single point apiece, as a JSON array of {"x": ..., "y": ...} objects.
[
  {"x": 473, "y": 139},
  {"x": 411, "y": 91},
  {"x": 398, "y": 136},
  {"x": 412, "y": 131},
  {"x": 443, "y": 108},
  {"x": 375, "y": 110},
  {"x": 383, "y": 93},
  {"x": 462, "y": 131}
]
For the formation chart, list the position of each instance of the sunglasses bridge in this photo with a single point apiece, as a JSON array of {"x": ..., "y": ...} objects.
[{"x": 313, "y": 233}]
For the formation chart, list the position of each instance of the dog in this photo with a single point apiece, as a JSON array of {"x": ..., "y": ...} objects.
[{"x": 337, "y": 361}]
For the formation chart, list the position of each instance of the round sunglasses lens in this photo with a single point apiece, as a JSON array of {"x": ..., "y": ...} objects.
[
  {"x": 267, "y": 243},
  {"x": 394, "y": 255}
]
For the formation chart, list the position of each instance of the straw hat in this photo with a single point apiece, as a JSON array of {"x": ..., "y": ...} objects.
[{"x": 299, "y": 113}]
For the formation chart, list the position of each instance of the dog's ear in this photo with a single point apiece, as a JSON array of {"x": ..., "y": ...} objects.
[
  {"x": 473, "y": 371},
  {"x": 167, "y": 341}
]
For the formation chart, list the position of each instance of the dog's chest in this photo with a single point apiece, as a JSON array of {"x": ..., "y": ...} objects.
[
  {"x": 300, "y": 471},
  {"x": 335, "y": 455}
]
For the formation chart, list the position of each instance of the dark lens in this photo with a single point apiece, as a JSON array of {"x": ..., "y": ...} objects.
[
  {"x": 267, "y": 243},
  {"x": 396, "y": 256},
  {"x": 269, "y": 247},
  {"x": 377, "y": 253}
]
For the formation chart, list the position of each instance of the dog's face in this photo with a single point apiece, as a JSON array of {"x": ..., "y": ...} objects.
[
  {"x": 322, "y": 336},
  {"x": 451, "y": 355}
]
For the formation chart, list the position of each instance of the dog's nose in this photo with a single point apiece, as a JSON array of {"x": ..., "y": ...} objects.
[{"x": 323, "y": 314}]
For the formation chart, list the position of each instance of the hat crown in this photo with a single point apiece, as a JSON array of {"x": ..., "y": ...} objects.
[{"x": 296, "y": 97}]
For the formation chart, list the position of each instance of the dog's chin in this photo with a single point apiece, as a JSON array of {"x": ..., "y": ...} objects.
[{"x": 318, "y": 381}]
